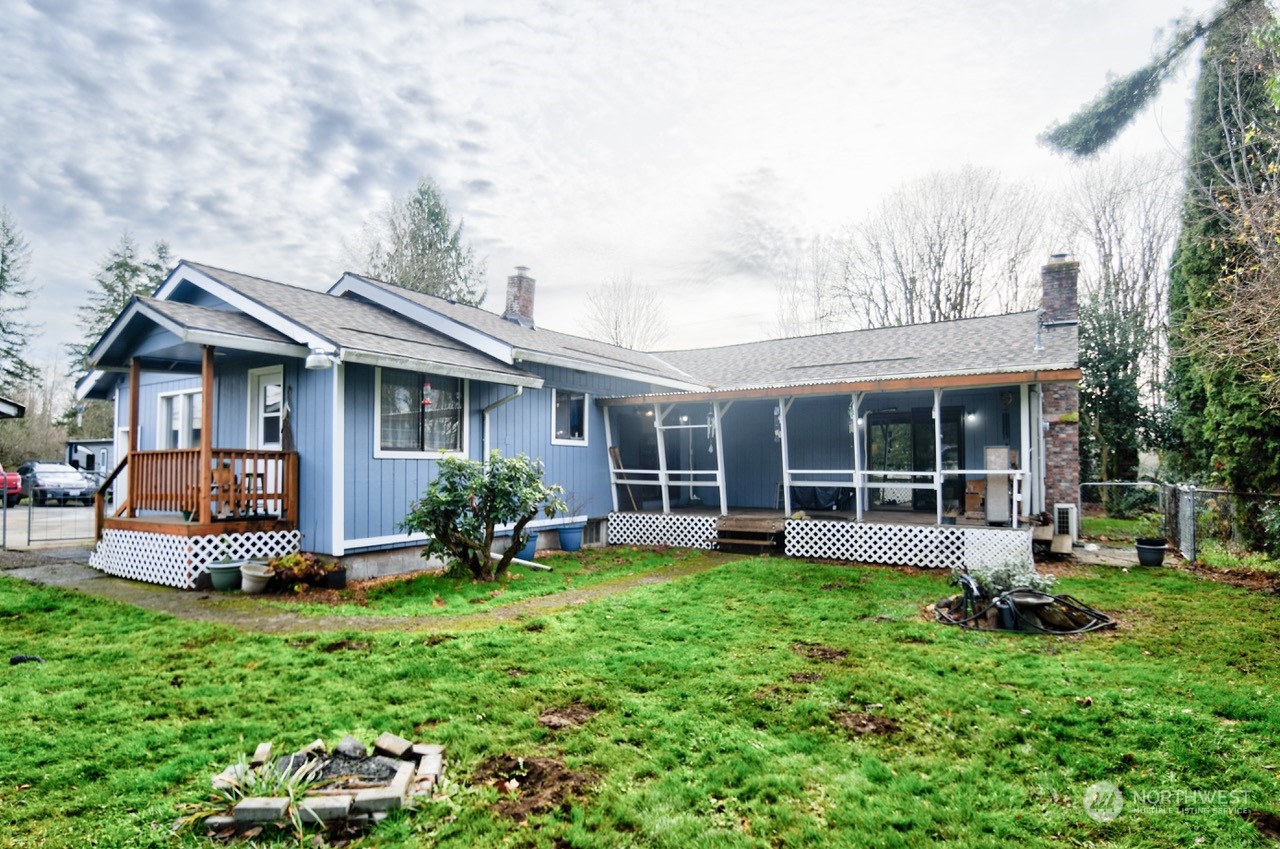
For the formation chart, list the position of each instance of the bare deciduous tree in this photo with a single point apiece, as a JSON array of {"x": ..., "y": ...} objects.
[
  {"x": 951, "y": 245},
  {"x": 626, "y": 313},
  {"x": 1120, "y": 218},
  {"x": 806, "y": 296}
]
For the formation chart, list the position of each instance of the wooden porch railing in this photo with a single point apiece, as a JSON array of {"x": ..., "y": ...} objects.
[{"x": 239, "y": 483}]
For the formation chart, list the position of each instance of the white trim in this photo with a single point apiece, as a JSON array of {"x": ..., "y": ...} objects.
[
  {"x": 337, "y": 464},
  {"x": 421, "y": 314},
  {"x": 586, "y": 420},
  {"x": 524, "y": 355},
  {"x": 163, "y": 422},
  {"x": 372, "y": 358},
  {"x": 299, "y": 333},
  {"x": 380, "y": 453},
  {"x": 253, "y": 429},
  {"x": 419, "y": 539}
]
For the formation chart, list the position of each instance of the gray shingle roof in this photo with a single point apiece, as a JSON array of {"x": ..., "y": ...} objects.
[
  {"x": 540, "y": 341},
  {"x": 215, "y": 320},
  {"x": 358, "y": 326},
  {"x": 985, "y": 345}
]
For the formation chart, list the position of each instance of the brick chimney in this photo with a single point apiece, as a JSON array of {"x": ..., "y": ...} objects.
[
  {"x": 520, "y": 290},
  {"x": 1059, "y": 279}
]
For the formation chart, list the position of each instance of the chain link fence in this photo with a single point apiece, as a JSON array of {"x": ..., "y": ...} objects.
[
  {"x": 31, "y": 525},
  {"x": 1188, "y": 516}
]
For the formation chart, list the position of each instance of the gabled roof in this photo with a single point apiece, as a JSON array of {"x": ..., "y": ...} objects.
[
  {"x": 510, "y": 341},
  {"x": 351, "y": 330},
  {"x": 994, "y": 345}
]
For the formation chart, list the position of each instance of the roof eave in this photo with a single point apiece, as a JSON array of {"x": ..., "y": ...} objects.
[
  {"x": 950, "y": 380},
  {"x": 542, "y": 358},
  {"x": 373, "y": 358}
]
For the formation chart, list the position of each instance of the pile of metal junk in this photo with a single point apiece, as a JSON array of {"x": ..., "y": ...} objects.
[{"x": 1025, "y": 610}]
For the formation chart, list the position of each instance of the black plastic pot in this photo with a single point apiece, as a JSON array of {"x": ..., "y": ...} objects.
[{"x": 1151, "y": 551}]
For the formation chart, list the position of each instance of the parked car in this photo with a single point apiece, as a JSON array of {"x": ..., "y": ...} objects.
[
  {"x": 10, "y": 486},
  {"x": 44, "y": 481}
]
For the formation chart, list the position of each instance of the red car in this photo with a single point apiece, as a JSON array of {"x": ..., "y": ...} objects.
[{"x": 10, "y": 486}]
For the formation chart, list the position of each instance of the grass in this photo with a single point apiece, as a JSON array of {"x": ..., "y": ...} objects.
[
  {"x": 437, "y": 595},
  {"x": 1220, "y": 555},
  {"x": 703, "y": 739},
  {"x": 1097, "y": 527}
]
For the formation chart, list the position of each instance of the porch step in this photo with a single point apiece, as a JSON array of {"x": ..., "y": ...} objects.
[
  {"x": 758, "y": 531},
  {"x": 763, "y": 543}
]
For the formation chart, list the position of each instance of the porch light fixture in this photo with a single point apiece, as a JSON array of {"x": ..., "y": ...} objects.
[{"x": 318, "y": 360}]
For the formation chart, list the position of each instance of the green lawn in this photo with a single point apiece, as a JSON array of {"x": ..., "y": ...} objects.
[
  {"x": 1099, "y": 527},
  {"x": 718, "y": 723}
]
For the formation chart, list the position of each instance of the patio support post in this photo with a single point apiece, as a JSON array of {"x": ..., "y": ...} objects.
[
  {"x": 135, "y": 387},
  {"x": 784, "y": 405},
  {"x": 1024, "y": 451},
  {"x": 663, "y": 476},
  {"x": 937, "y": 449},
  {"x": 857, "y": 453},
  {"x": 204, "y": 494},
  {"x": 720, "y": 483},
  {"x": 608, "y": 453}
]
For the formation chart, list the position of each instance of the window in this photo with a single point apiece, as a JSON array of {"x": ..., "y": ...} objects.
[
  {"x": 420, "y": 413},
  {"x": 568, "y": 417},
  {"x": 180, "y": 418}
]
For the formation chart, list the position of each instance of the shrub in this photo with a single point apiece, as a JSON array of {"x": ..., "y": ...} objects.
[
  {"x": 468, "y": 499},
  {"x": 996, "y": 578}
]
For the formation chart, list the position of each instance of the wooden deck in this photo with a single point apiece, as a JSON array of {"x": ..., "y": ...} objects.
[{"x": 174, "y": 524}]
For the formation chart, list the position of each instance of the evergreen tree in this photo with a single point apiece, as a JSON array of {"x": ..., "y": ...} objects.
[
  {"x": 415, "y": 245},
  {"x": 15, "y": 294},
  {"x": 1222, "y": 429},
  {"x": 123, "y": 274}
]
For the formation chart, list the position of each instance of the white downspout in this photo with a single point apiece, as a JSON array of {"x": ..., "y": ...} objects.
[
  {"x": 937, "y": 450},
  {"x": 484, "y": 440},
  {"x": 608, "y": 451},
  {"x": 857, "y": 453}
]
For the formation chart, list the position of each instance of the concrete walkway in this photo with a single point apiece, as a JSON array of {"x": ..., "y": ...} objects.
[{"x": 66, "y": 568}]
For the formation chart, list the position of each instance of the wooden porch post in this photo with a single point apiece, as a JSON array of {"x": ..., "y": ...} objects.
[
  {"x": 857, "y": 453},
  {"x": 784, "y": 406},
  {"x": 608, "y": 447},
  {"x": 937, "y": 449},
  {"x": 135, "y": 384},
  {"x": 720, "y": 483},
  {"x": 663, "y": 476},
  {"x": 204, "y": 495}
]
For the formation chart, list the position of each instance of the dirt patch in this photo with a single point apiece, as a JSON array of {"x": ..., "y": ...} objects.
[
  {"x": 806, "y": 677},
  {"x": 434, "y": 640},
  {"x": 531, "y": 785},
  {"x": 1248, "y": 579},
  {"x": 1267, "y": 823},
  {"x": 344, "y": 645},
  {"x": 570, "y": 716},
  {"x": 866, "y": 723},
  {"x": 816, "y": 651}
]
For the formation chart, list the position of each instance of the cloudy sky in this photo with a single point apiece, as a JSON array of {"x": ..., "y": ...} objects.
[{"x": 650, "y": 138}]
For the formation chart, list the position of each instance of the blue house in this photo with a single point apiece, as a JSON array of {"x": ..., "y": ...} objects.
[{"x": 256, "y": 418}]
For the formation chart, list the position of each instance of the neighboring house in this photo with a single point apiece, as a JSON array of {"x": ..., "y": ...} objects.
[
  {"x": 96, "y": 456},
  {"x": 317, "y": 418},
  {"x": 11, "y": 409}
]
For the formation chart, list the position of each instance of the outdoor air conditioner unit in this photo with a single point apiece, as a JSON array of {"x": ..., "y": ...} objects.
[{"x": 1066, "y": 520}]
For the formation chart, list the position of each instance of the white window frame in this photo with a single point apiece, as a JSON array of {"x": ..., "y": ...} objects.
[
  {"x": 164, "y": 404},
  {"x": 380, "y": 453},
  {"x": 253, "y": 427},
  {"x": 586, "y": 419}
]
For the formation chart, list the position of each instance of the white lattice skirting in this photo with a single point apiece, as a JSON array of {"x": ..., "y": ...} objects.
[
  {"x": 928, "y": 546},
  {"x": 677, "y": 530},
  {"x": 178, "y": 561}
]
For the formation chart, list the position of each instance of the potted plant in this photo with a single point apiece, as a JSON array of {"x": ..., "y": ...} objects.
[
  {"x": 225, "y": 574},
  {"x": 571, "y": 534},
  {"x": 1151, "y": 548},
  {"x": 305, "y": 568},
  {"x": 254, "y": 576}
]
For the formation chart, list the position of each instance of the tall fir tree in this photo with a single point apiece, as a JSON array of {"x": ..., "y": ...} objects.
[
  {"x": 15, "y": 295},
  {"x": 1222, "y": 430},
  {"x": 415, "y": 245},
  {"x": 123, "y": 274}
]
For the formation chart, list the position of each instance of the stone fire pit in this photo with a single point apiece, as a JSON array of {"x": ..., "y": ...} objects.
[{"x": 351, "y": 785}]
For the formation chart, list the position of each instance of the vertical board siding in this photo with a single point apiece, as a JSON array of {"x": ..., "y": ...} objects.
[{"x": 151, "y": 385}]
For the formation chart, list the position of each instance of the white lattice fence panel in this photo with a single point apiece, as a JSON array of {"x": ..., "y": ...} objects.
[
  {"x": 141, "y": 556},
  {"x": 260, "y": 545},
  {"x": 997, "y": 545},
  {"x": 928, "y": 546},
  {"x": 677, "y": 530},
  {"x": 177, "y": 561}
]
